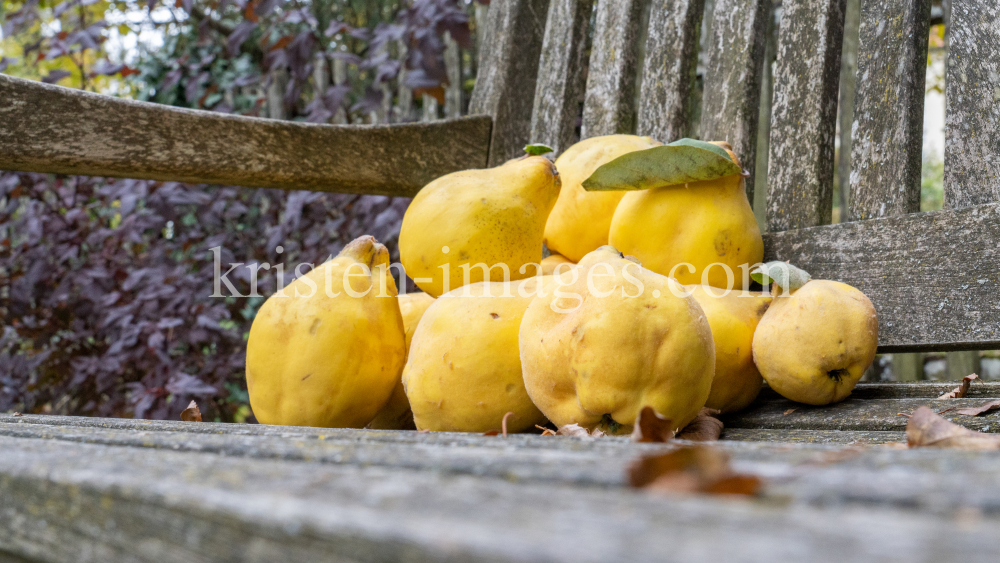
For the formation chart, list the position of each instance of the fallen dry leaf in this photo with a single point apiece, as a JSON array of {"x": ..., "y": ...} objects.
[
  {"x": 578, "y": 431},
  {"x": 788, "y": 412},
  {"x": 691, "y": 469},
  {"x": 191, "y": 413},
  {"x": 927, "y": 429},
  {"x": 960, "y": 391},
  {"x": 18, "y": 414},
  {"x": 982, "y": 409},
  {"x": 546, "y": 431},
  {"x": 704, "y": 428},
  {"x": 652, "y": 427}
]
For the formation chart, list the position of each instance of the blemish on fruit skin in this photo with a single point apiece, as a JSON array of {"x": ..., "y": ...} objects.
[
  {"x": 494, "y": 315},
  {"x": 315, "y": 325},
  {"x": 308, "y": 375}
]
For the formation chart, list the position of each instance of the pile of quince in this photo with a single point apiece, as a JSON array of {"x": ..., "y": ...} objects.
[{"x": 644, "y": 301}]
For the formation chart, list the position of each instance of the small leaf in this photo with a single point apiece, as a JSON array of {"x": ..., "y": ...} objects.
[
  {"x": 681, "y": 162},
  {"x": 704, "y": 428},
  {"x": 960, "y": 391},
  {"x": 980, "y": 410},
  {"x": 652, "y": 427},
  {"x": 537, "y": 149},
  {"x": 191, "y": 413},
  {"x": 926, "y": 429},
  {"x": 787, "y": 277},
  {"x": 691, "y": 469}
]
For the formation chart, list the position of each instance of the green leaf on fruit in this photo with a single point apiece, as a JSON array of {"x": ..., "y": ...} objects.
[
  {"x": 537, "y": 149},
  {"x": 783, "y": 274},
  {"x": 681, "y": 162}
]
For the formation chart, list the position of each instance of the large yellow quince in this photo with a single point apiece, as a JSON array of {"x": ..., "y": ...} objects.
[
  {"x": 463, "y": 373},
  {"x": 580, "y": 220},
  {"x": 813, "y": 345},
  {"x": 396, "y": 414},
  {"x": 465, "y": 222},
  {"x": 612, "y": 338},
  {"x": 733, "y": 317},
  {"x": 327, "y": 349},
  {"x": 701, "y": 223}
]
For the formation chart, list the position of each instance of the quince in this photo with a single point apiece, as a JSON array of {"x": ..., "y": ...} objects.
[
  {"x": 733, "y": 317},
  {"x": 327, "y": 349},
  {"x": 463, "y": 373},
  {"x": 464, "y": 223},
  {"x": 580, "y": 220},
  {"x": 552, "y": 262},
  {"x": 697, "y": 223},
  {"x": 814, "y": 344},
  {"x": 611, "y": 338},
  {"x": 396, "y": 414}
]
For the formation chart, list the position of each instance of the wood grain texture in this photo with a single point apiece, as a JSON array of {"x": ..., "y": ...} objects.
[
  {"x": 730, "y": 106},
  {"x": 609, "y": 105},
  {"x": 882, "y": 415},
  {"x": 46, "y": 128},
  {"x": 804, "y": 113},
  {"x": 71, "y": 502},
  {"x": 934, "y": 278},
  {"x": 561, "y": 79},
  {"x": 887, "y": 133},
  {"x": 669, "y": 69},
  {"x": 972, "y": 148},
  {"x": 508, "y": 69}
]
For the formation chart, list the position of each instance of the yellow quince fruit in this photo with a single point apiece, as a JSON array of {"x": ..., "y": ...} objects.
[
  {"x": 733, "y": 317},
  {"x": 612, "y": 338},
  {"x": 580, "y": 220},
  {"x": 463, "y": 373},
  {"x": 814, "y": 344},
  {"x": 467, "y": 223},
  {"x": 327, "y": 349},
  {"x": 552, "y": 262},
  {"x": 396, "y": 414},
  {"x": 693, "y": 231}
]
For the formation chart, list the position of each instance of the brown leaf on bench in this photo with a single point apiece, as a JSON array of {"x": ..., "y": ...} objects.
[
  {"x": 704, "y": 428},
  {"x": 191, "y": 413},
  {"x": 578, "y": 431},
  {"x": 927, "y": 429},
  {"x": 982, "y": 409},
  {"x": 691, "y": 469},
  {"x": 960, "y": 391},
  {"x": 652, "y": 427}
]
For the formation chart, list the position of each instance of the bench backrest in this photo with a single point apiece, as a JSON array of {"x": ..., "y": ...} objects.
[{"x": 934, "y": 277}]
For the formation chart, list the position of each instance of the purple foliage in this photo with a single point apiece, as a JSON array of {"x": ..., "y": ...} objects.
[{"x": 106, "y": 304}]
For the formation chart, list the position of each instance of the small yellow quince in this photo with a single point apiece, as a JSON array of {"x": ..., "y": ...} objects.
[{"x": 327, "y": 349}]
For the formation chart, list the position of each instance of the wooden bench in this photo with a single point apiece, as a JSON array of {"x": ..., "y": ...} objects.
[{"x": 79, "y": 489}]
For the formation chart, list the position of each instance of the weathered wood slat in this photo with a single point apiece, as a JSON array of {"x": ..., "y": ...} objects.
[
  {"x": 561, "y": 74},
  {"x": 880, "y": 415},
  {"x": 887, "y": 137},
  {"x": 796, "y": 436},
  {"x": 934, "y": 277},
  {"x": 64, "y": 501},
  {"x": 908, "y": 390},
  {"x": 508, "y": 69},
  {"x": 101, "y": 135},
  {"x": 72, "y": 502},
  {"x": 668, "y": 76},
  {"x": 972, "y": 148},
  {"x": 609, "y": 106},
  {"x": 730, "y": 105},
  {"x": 804, "y": 114}
]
